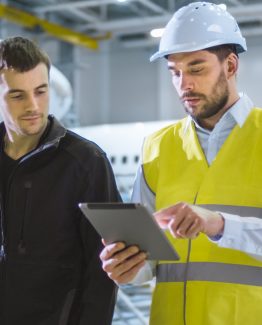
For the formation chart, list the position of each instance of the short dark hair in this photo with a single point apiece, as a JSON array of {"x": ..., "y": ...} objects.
[
  {"x": 21, "y": 54},
  {"x": 223, "y": 51}
]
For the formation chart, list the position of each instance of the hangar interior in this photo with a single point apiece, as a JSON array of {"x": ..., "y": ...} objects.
[{"x": 103, "y": 49}]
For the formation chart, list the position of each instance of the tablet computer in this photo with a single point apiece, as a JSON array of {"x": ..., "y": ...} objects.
[{"x": 132, "y": 224}]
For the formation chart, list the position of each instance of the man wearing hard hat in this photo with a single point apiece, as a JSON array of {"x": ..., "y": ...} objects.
[{"x": 212, "y": 157}]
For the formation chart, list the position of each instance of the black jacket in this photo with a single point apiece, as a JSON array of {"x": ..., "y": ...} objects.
[{"x": 50, "y": 272}]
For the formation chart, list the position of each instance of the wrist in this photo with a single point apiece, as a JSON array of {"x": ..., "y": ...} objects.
[
  {"x": 222, "y": 225},
  {"x": 216, "y": 225}
]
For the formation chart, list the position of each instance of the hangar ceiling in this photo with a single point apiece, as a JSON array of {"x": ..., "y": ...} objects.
[{"x": 128, "y": 22}]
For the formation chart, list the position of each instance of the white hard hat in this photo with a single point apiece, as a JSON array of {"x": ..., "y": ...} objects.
[{"x": 198, "y": 26}]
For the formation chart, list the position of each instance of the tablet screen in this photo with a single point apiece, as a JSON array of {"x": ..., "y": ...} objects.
[{"x": 132, "y": 224}]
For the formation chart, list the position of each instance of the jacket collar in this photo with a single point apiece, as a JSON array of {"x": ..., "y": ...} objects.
[
  {"x": 51, "y": 137},
  {"x": 53, "y": 134}
]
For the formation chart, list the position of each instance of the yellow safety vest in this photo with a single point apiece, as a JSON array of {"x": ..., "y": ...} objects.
[{"x": 209, "y": 285}]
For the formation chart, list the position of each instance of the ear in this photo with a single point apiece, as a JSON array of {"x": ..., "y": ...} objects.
[{"x": 231, "y": 65}]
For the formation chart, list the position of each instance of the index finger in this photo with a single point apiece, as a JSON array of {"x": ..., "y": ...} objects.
[
  {"x": 111, "y": 249},
  {"x": 162, "y": 221},
  {"x": 170, "y": 211},
  {"x": 164, "y": 216}
]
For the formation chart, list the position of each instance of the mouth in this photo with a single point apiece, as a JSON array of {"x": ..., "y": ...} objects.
[
  {"x": 30, "y": 117},
  {"x": 191, "y": 101}
]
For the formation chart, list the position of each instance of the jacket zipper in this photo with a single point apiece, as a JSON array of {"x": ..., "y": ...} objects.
[
  {"x": 2, "y": 258},
  {"x": 27, "y": 186},
  {"x": 2, "y": 249},
  {"x": 22, "y": 244}
]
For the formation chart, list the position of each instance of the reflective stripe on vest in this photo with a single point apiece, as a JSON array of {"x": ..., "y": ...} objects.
[
  {"x": 213, "y": 272},
  {"x": 233, "y": 209}
]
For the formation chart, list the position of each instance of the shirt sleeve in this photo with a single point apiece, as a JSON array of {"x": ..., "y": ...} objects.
[
  {"x": 242, "y": 233},
  {"x": 145, "y": 274},
  {"x": 142, "y": 194}
]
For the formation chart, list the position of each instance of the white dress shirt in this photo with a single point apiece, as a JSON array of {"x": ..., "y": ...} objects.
[{"x": 241, "y": 233}]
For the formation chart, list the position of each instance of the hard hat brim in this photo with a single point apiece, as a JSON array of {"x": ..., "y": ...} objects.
[{"x": 184, "y": 49}]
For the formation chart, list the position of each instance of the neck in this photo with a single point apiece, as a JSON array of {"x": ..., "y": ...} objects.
[
  {"x": 18, "y": 146},
  {"x": 210, "y": 122}
]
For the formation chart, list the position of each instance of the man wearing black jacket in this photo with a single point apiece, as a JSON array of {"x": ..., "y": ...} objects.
[{"x": 50, "y": 273}]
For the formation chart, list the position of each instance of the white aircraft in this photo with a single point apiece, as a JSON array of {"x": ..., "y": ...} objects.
[
  {"x": 61, "y": 93},
  {"x": 122, "y": 143}
]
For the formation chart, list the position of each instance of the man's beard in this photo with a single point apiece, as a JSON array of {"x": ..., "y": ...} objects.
[{"x": 213, "y": 103}]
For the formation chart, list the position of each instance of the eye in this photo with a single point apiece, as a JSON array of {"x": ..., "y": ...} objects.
[
  {"x": 196, "y": 69},
  {"x": 175, "y": 73},
  {"x": 17, "y": 96},
  {"x": 41, "y": 91}
]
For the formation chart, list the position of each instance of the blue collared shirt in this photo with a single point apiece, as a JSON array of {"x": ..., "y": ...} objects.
[{"x": 212, "y": 141}]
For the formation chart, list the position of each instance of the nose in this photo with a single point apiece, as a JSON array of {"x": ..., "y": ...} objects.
[
  {"x": 185, "y": 82},
  {"x": 31, "y": 103}
]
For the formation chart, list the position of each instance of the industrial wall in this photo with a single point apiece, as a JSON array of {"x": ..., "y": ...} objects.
[
  {"x": 117, "y": 84},
  {"x": 121, "y": 85}
]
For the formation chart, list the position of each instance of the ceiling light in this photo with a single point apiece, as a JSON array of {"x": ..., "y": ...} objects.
[
  {"x": 157, "y": 32},
  {"x": 223, "y": 6}
]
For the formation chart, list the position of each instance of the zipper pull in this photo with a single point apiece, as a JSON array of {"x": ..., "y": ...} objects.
[
  {"x": 28, "y": 185},
  {"x": 2, "y": 253},
  {"x": 21, "y": 247}
]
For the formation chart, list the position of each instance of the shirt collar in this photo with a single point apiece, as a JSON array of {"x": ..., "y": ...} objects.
[{"x": 239, "y": 111}]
